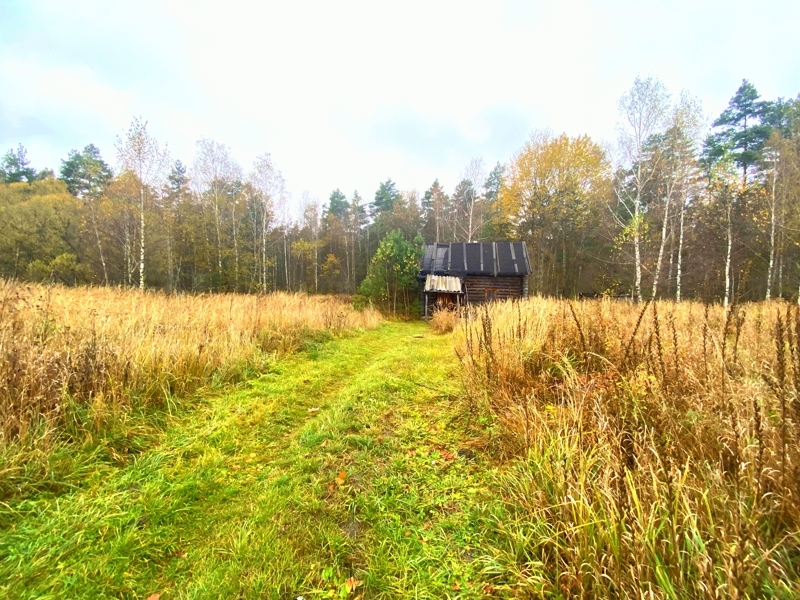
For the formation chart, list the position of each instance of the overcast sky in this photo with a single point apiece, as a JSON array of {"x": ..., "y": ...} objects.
[{"x": 346, "y": 94}]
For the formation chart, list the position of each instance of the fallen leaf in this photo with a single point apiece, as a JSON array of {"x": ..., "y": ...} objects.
[
  {"x": 455, "y": 586},
  {"x": 154, "y": 597},
  {"x": 427, "y": 525},
  {"x": 408, "y": 532},
  {"x": 340, "y": 478},
  {"x": 351, "y": 584}
]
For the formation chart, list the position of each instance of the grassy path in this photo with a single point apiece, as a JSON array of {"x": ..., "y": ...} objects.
[{"x": 337, "y": 474}]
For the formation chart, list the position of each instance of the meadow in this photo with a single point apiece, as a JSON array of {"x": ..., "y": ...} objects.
[
  {"x": 653, "y": 447},
  {"x": 284, "y": 445},
  {"x": 99, "y": 366}
]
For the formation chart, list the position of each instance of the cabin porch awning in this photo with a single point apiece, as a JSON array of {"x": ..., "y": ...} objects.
[{"x": 443, "y": 283}]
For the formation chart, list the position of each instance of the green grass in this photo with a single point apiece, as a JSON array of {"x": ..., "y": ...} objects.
[{"x": 257, "y": 494}]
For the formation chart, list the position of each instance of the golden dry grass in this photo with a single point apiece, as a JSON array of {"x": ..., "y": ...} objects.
[
  {"x": 443, "y": 320},
  {"x": 658, "y": 445},
  {"x": 107, "y": 349}
]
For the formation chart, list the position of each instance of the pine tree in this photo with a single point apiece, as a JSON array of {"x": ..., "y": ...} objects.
[{"x": 741, "y": 131}]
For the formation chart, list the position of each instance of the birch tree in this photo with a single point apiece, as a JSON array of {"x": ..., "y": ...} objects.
[
  {"x": 139, "y": 153},
  {"x": 678, "y": 165},
  {"x": 475, "y": 174},
  {"x": 723, "y": 185},
  {"x": 214, "y": 175},
  {"x": 643, "y": 109},
  {"x": 283, "y": 216},
  {"x": 271, "y": 187},
  {"x": 311, "y": 211},
  {"x": 772, "y": 160}
]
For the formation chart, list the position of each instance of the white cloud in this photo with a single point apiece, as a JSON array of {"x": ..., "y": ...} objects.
[
  {"x": 73, "y": 92},
  {"x": 346, "y": 94}
]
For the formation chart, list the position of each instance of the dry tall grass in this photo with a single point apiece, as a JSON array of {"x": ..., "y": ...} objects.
[
  {"x": 659, "y": 445},
  {"x": 105, "y": 349},
  {"x": 444, "y": 320}
]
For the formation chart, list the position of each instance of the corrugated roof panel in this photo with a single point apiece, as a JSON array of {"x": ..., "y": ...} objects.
[{"x": 443, "y": 283}]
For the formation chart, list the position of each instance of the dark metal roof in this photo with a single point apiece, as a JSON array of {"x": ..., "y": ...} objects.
[{"x": 475, "y": 258}]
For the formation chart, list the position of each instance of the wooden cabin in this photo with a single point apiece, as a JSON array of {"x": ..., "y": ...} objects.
[{"x": 467, "y": 273}]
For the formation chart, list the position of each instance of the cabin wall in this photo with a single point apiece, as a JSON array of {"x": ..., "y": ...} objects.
[{"x": 507, "y": 287}]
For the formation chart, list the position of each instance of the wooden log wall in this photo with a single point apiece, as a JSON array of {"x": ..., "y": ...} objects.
[{"x": 507, "y": 287}]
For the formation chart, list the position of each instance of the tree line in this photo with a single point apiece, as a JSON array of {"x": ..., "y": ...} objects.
[{"x": 676, "y": 209}]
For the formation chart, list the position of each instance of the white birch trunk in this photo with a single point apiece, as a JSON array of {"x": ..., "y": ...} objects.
[
  {"x": 664, "y": 225},
  {"x": 772, "y": 218},
  {"x": 637, "y": 286},
  {"x": 728, "y": 261},
  {"x": 235, "y": 247},
  {"x": 264, "y": 252},
  {"x": 286, "y": 260},
  {"x": 141, "y": 237},
  {"x": 680, "y": 256}
]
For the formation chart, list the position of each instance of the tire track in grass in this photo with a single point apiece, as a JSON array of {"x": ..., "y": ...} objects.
[{"x": 259, "y": 494}]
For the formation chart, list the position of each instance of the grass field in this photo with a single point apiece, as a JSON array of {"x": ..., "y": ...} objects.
[
  {"x": 336, "y": 473},
  {"x": 98, "y": 368},
  {"x": 656, "y": 445},
  {"x": 533, "y": 449}
]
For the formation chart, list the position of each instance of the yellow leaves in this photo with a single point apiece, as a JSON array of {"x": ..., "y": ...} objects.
[
  {"x": 351, "y": 584},
  {"x": 553, "y": 178},
  {"x": 338, "y": 481}
]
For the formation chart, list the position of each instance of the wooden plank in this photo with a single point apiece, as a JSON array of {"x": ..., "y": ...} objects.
[{"x": 506, "y": 288}]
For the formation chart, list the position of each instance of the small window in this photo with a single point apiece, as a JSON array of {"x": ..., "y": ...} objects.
[{"x": 491, "y": 294}]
